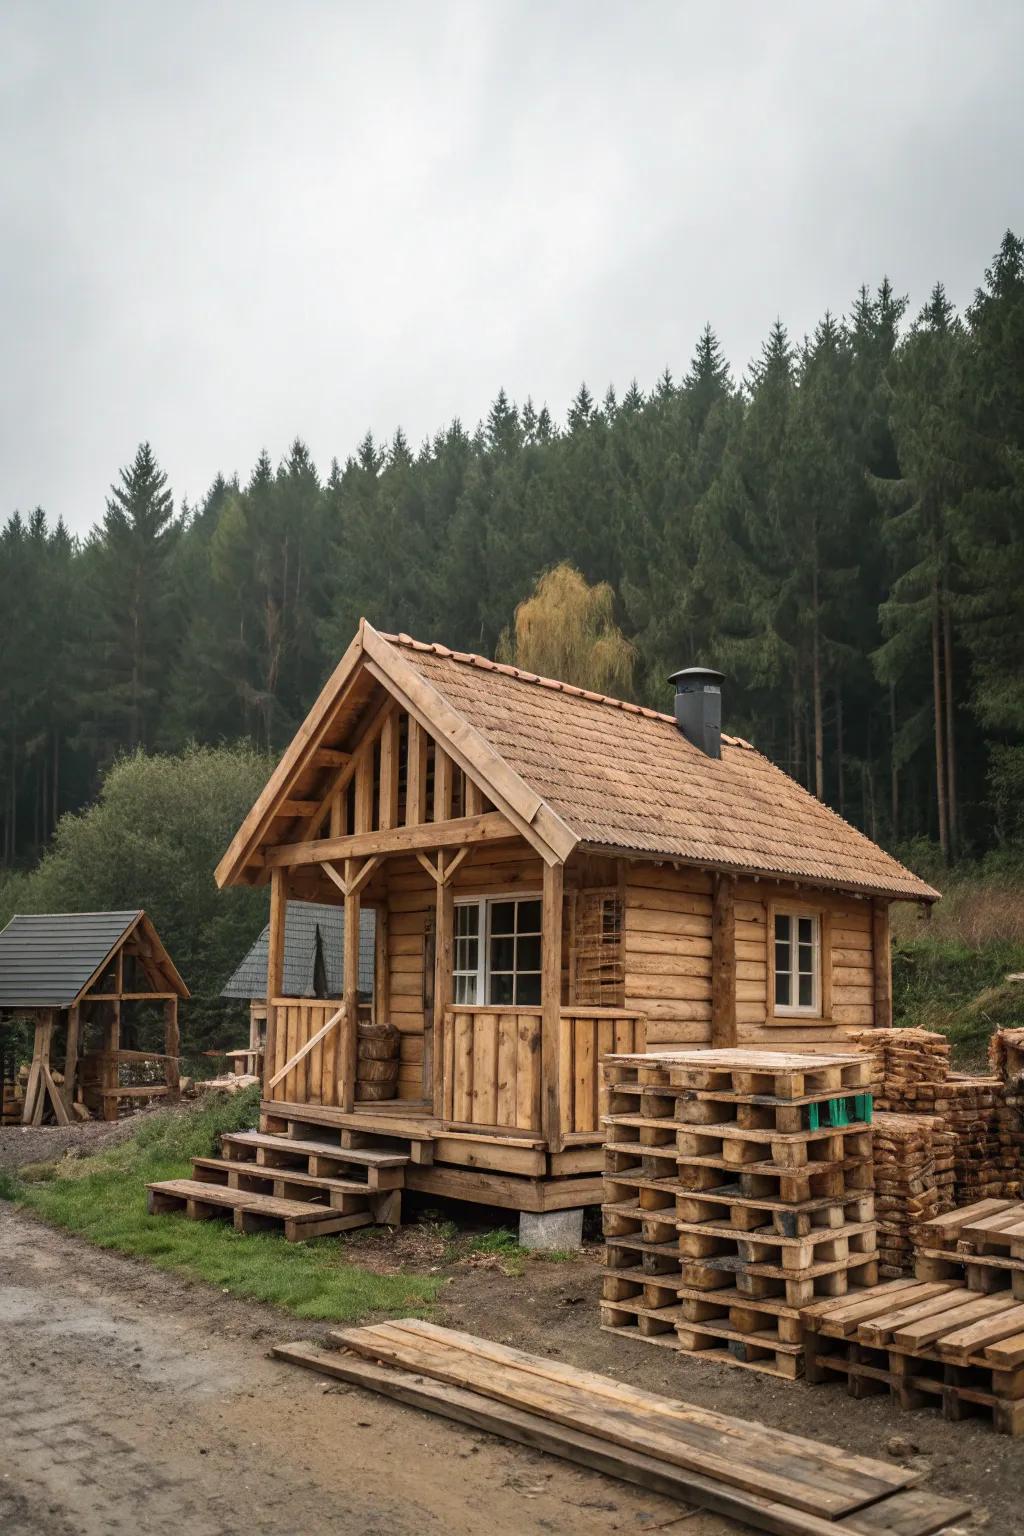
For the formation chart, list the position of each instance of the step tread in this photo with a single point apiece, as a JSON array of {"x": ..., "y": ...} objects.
[
  {"x": 292, "y": 1175},
  {"x": 239, "y": 1200},
  {"x": 366, "y": 1156}
]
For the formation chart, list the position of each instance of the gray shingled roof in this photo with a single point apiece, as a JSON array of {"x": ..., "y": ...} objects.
[
  {"x": 46, "y": 959},
  {"x": 302, "y": 919}
]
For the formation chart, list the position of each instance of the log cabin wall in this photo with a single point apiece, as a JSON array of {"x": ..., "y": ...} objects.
[{"x": 668, "y": 946}]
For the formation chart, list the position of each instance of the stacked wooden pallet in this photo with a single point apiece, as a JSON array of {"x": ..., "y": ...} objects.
[
  {"x": 1006, "y": 1056},
  {"x": 937, "y": 1343},
  {"x": 981, "y": 1245},
  {"x": 738, "y": 1187},
  {"x": 914, "y": 1176},
  {"x": 765, "y": 1478}
]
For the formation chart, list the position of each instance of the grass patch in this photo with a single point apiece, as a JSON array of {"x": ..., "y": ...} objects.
[{"x": 103, "y": 1198}]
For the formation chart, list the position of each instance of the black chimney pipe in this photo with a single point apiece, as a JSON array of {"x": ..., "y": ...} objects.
[{"x": 699, "y": 707}]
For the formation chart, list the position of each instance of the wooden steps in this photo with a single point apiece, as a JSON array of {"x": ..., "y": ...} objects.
[
  {"x": 770, "y": 1480},
  {"x": 299, "y": 1219},
  {"x": 379, "y": 1170},
  {"x": 306, "y": 1188},
  {"x": 925, "y": 1342}
]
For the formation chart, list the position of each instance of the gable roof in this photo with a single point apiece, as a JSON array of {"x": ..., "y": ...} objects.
[
  {"x": 572, "y": 768},
  {"x": 302, "y": 920},
  {"x": 47, "y": 960}
]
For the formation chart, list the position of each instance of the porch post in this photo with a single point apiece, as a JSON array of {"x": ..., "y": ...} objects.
[
  {"x": 349, "y": 1057},
  {"x": 71, "y": 1056},
  {"x": 172, "y": 1046},
  {"x": 551, "y": 1004},
  {"x": 275, "y": 967},
  {"x": 444, "y": 925}
]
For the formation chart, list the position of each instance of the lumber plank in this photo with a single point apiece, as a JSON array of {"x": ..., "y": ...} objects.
[
  {"x": 732, "y": 1450},
  {"x": 533, "y": 1430}
]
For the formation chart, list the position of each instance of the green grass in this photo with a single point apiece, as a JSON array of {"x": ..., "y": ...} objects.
[
  {"x": 103, "y": 1199},
  {"x": 958, "y": 989}
]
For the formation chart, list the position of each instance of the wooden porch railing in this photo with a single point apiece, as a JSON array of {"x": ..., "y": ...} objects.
[
  {"x": 316, "y": 1078},
  {"x": 492, "y": 1065}
]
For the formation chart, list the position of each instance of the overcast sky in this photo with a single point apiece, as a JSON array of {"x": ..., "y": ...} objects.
[{"x": 227, "y": 224}]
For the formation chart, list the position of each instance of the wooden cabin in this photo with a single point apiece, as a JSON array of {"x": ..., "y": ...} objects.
[
  {"x": 555, "y": 875},
  {"x": 81, "y": 977}
]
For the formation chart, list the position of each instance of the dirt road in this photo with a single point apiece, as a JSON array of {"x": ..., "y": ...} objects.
[{"x": 135, "y": 1402}]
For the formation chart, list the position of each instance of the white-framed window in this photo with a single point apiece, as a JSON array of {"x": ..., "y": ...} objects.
[
  {"x": 496, "y": 960},
  {"x": 797, "y": 962}
]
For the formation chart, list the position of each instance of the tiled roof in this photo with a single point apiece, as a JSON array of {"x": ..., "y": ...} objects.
[
  {"x": 302, "y": 919},
  {"x": 624, "y": 777},
  {"x": 47, "y": 958}
]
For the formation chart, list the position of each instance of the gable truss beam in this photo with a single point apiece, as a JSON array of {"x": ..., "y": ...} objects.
[
  {"x": 490, "y": 827},
  {"x": 355, "y": 877},
  {"x": 447, "y": 863},
  {"x": 362, "y": 749}
]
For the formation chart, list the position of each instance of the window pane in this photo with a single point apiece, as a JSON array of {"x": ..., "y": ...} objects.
[
  {"x": 528, "y": 990},
  {"x": 806, "y": 930},
  {"x": 467, "y": 919},
  {"x": 529, "y": 917},
  {"x": 528, "y": 955},
  {"x": 465, "y": 989},
  {"x": 781, "y": 990},
  {"x": 503, "y": 954},
  {"x": 781, "y": 959},
  {"x": 503, "y": 917},
  {"x": 781, "y": 928},
  {"x": 806, "y": 960},
  {"x": 806, "y": 991},
  {"x": 502, "y": 988}
]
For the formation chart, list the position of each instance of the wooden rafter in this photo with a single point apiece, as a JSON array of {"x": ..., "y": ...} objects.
[{"x": 362, "y": 748}]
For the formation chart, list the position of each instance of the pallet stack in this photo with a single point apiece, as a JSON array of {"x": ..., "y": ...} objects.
[
  {"x": 1006, "y": 1057},
  {"x": 953, "y": 1336},
  {"x": 914, "y": 1182},
  {"x": 738, "y": 1188}
]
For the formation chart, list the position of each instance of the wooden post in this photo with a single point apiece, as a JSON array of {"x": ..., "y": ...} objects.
[
  {"x": 34, "y": 1086},
  {"x": 443, "y": 950},
  {"x": 723, "y": 962},
  {"x": 172, "y": 1045},
  {"x": 881, "y": 960},
  {"x": 350, "y": 995},
  {"x": 551, "y": 1004},
  {"x": 275, "y": 964},
  {"x": 71, "y": 1056}
]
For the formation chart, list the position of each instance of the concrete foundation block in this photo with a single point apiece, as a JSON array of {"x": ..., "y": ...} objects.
[{"x": 550, "y": 1230}]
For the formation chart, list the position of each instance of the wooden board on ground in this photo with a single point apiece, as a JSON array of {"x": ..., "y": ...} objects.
[{"x": 771, "y": 1480}]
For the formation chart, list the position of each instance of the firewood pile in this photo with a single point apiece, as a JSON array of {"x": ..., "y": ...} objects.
[
  {"x": 910, "y": 1068},
  {"x": 914, "y": 1182}
]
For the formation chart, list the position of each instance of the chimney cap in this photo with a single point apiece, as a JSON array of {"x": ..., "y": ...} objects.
[{"x": 693, "y": 676}]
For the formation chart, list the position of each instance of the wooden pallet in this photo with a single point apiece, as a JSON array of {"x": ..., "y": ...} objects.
[
  {"x": 298, "y": 1219},
  {"x": 775, "y": 1074},
  {"x": 759, "y": 1282},
  {"x": 728, "y": 1207},
  {"x": 313, "y": 1123},
  {"x": 768, "y": 1479},
  {"x": 764, "y": 1245},
  {"x": 835, "y": 1181},
  {"x": 379, "y": 1170},
  {"x": 978, "y": 1273},
  {"x": 925, "y": 1343}
]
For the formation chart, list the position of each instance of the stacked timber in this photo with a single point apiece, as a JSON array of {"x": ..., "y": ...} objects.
[
  {"x": 910, "y": 1068},
  {"x": 914, "y": 1182},
  {"x": 738, "y": 1187},
  {"x": 1006, "y": 1057},
  {"x": 988, "y": 1139}
]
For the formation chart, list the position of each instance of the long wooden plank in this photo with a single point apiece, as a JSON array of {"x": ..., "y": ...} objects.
[
  {"x": 919, "y": 1335},
  {"x": 586, "y": 1450},
  {"x": 976, "y": 1337},
  {"x": 879, "y": 1330},
  {"x": 711, "y": 1444}
]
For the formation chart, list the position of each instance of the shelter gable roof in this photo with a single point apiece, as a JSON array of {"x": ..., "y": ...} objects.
[
  {"x": 302, "y": 920},
  {"x": 47, "y": 960}
]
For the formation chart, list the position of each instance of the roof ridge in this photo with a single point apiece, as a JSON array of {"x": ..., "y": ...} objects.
[{"x": 484, "y": 663}]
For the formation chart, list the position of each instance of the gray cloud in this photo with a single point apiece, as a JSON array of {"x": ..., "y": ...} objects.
[{"x": 225, "y": 224}]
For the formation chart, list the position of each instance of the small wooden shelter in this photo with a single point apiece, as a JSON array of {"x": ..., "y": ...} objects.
[
  {"x": 314, "y": 946},
  {"x": 556, "y": 875},
  {"x": 75, "y": 973}
]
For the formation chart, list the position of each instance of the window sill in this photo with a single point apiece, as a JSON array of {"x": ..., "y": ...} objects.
[{"x": 798, "y": 1020}]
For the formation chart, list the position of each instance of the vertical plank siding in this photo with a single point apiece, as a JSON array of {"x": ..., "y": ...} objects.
[{"x": 492, "y": 1075}]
